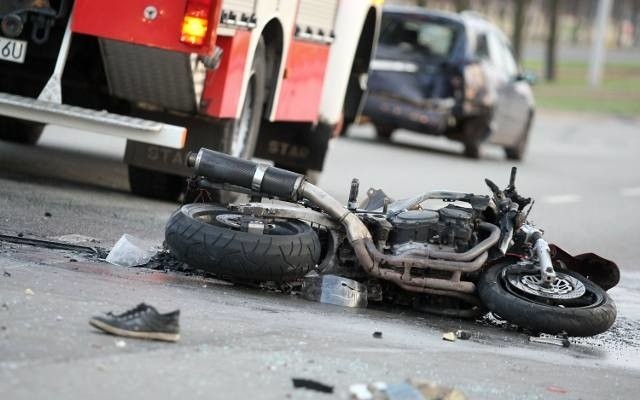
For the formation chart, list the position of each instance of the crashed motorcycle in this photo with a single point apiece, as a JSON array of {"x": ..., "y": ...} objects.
[{"x": 469, "y": 255}]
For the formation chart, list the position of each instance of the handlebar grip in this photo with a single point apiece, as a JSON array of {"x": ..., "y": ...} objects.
[{"x": 262, "y": 178}]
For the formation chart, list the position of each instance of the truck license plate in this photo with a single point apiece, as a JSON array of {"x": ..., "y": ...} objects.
[{"x": 13, "y": 50}]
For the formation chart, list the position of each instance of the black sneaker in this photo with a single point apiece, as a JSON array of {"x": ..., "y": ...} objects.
[{"x": 141, "y": 322}]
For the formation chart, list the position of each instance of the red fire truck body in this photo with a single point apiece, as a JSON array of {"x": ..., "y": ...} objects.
[{"x": 255, "y": 78}]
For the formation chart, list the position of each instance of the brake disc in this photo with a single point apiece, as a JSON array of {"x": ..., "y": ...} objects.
[{"x": 565, "y": 287}]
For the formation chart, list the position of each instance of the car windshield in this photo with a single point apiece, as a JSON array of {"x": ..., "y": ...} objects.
[{"x": 416, "y": 34}]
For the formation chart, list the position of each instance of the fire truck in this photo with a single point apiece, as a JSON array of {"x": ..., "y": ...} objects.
[{"x": 269, "y": 79}]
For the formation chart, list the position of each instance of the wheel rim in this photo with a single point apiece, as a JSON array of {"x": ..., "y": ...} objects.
[
  {"x": 242, "y": 127},
  {"x": 566, "y": 292},
  {"x": 246, "y": 223}
]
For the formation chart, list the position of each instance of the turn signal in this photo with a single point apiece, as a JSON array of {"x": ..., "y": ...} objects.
[{"x": 195, "y": 23}]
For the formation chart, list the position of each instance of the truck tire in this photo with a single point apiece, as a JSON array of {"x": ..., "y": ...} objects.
[
  {"x": 196, "y": 236},
  {"x": 19, "y": 131},
  {"x": 156, "y": 185},
  {"x": 241, "y": 134}
]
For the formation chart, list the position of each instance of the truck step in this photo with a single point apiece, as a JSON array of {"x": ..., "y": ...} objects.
[{"x": 102, "y": 122}]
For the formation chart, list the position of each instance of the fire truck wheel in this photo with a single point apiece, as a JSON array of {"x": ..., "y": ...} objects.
[
  {"x": 241, "y": 134},
  {"x": 156, "y": 185},
  {"x": 18, "y": 131}
]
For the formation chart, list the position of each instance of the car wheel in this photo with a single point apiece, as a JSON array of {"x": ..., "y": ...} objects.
[
  {"x": 474, "y": 131},
  {"x": 517, "y": 151},
  {"x": 384, "y": 132}
]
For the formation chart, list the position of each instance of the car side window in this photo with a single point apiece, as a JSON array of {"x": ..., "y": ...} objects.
[
  {"x": 509, "y": 62},
  {"x": 482, "y": 47}
]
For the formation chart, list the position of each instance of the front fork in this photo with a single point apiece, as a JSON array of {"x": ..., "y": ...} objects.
[{"x": 542, "y": 254}]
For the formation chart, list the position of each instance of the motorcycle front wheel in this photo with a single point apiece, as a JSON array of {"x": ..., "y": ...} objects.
[{"x": 572, "y": 304}]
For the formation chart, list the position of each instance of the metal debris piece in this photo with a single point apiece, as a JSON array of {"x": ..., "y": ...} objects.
[
  {"x": 558, "y": 341},
  {"x": 332, "y": 289},
  {"x": 463, "y": 335},
  {"x": 377, "y": 335},
  {"x": 449, "y": 336},
  {"x": 48, "y": 244},
  {"x": 311, "y": 385}
]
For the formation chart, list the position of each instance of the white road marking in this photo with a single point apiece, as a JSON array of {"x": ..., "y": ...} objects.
[
  {"x": 630, "y": 192},
  {"x": 562, "y": 199}
]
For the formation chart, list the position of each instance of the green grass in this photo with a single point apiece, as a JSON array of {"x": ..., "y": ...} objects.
[{"x": 618, "y": 94}]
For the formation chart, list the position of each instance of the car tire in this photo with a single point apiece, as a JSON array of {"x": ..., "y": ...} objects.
[
  {"x": 196, "y": 235},
  {"x": 474, "y": 131},
  {"x": 517, "y": 151},
  {"x": 19, "y": 131},
  {"x": 384, "y": 132}
]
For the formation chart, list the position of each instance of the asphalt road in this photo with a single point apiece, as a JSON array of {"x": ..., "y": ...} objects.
[{"x": 243, "y": 343}]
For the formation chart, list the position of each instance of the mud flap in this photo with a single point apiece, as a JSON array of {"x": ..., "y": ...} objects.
[
  {"x": 201, "y": 133},
  {"x": 602, "y": 272},
  {"x": 296, "y": 146}
]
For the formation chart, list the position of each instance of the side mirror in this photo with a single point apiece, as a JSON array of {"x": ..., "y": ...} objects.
[{"x": 528, "y": 77}]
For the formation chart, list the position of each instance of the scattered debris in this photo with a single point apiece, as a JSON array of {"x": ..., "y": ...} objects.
[
  {"x": 377, "y": 335},
  {"x": 75, "y": 238},
  {"x": 142, "y": 322},
  {"x": 73, "y": 260},
  {"x": 311, "y": 385},
  {"x": 413, "y": 389},
  {"x": 28, "y": 292},
  {"x": 20, "y": 234},
  {"x": 556, "y": 389},
  {"x": 7, "y": 274},
  {"x": 463, "y": 335},
  {"x": 49, "y": 244},
  {"x": 4, "y": 306},
  {"x": 336, "y": 290},
  {"x": 129, "y": 252},
  {"x": 449, "y": 336},
  {"x": 562, "y": 341},
  {"x": 121, "y": 344},
  {"x": 47, "y": 214}
]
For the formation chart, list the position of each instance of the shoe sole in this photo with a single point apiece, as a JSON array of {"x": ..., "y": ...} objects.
[{"x": 168, "y": 337}]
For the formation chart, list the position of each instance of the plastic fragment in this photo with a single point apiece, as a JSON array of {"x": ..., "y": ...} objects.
[
  {"x": 449, "y": 336},
  {"x": 129, "y": 252}
]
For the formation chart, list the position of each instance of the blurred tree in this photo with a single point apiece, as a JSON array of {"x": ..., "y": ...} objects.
[
  {"x": 552, "y": 42},
  {"x": 518, "y": 27}
]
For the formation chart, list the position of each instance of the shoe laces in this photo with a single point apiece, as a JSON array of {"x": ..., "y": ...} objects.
[{"x": 130, "y": 313}]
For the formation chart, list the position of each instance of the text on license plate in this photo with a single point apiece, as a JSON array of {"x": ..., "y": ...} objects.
[{"x": 13, "y": 50}]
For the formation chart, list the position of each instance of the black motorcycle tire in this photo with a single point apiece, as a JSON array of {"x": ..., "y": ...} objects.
[
  {"x": 540, "y": 317},
  {"x": 237, "y": 255}
]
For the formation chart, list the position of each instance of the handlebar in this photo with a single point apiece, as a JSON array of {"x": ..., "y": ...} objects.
[{"x": 260, "y": 178}]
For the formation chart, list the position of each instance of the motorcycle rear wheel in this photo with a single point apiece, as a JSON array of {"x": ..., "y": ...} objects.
[
  {"x": 586, "y": 313},
  {"x": 211, "y": 238}
]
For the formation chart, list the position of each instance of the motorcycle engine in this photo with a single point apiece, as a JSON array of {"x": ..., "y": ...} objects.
[{"x": 451, "y": 227}]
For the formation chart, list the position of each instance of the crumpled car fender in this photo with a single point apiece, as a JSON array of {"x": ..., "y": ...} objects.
[{"x": 604, "y": 273}]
